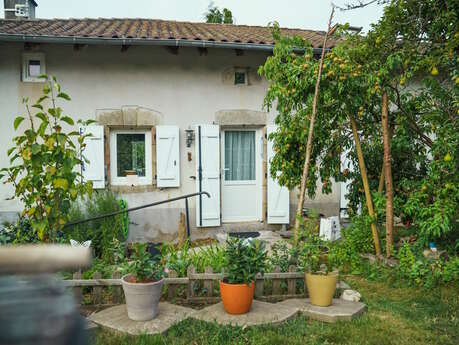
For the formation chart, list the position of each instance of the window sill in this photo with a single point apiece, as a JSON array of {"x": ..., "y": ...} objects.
[
  {"x": 133, "y": 189},
  {"x": 34, "y": 80}
]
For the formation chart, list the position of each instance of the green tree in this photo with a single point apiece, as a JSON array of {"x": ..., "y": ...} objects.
[
  {"x": 215, "y": 15},
  {"x": 44, "y": 163},
  {"x": 410, "y": 56}
]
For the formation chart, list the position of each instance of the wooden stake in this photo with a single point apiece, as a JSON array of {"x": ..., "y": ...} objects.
[
  {"x": 387, "y": 176},
  {"x": 366, "y": 186},
  {"x": 304, "y": 177},
  {"x": 181, "y": 230}
]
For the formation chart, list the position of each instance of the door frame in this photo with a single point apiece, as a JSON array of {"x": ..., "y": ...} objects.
[{"x": 259, "y": 157}]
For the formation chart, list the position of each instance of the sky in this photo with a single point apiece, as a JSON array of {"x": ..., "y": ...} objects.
[{"x": 305, "y": 14}]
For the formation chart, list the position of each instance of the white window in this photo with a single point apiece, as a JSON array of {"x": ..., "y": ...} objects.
[
  {"x": 240, "y": 76},
  {"x": 33, "y": 65},
  {"x": 130, "y": 157}
]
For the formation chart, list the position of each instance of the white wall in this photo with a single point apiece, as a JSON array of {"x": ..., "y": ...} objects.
[{"x": 186, "y": 89}]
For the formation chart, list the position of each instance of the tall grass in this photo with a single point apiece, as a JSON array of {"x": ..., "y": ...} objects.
[
  {"x": 179, "y": 259},
  {"x": 101, "y": 232}
]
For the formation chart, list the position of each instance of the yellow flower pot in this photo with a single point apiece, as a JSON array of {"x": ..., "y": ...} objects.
[{"x": 321, "y": 288}]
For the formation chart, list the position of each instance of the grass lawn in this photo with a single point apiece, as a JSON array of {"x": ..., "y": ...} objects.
[{"x": 396, "y": 315}]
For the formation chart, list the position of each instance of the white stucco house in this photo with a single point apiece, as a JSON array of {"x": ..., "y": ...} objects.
[{"x": 171, "y": 100}]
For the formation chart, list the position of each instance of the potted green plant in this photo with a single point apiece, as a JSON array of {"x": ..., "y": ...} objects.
[
  {"x": 142, "y": 286},
  {"x": 243, "y": 259},
  {"x": 320, "y": 277}
]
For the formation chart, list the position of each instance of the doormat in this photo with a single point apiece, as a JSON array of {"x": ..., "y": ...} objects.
[{"x": 248, "y": 234}]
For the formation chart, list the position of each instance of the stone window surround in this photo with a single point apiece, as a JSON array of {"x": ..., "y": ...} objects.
[
  {"x": 252, "y": 77},
  {"x": 240, "y": 117},
  {"x": 128, "y": 117}
]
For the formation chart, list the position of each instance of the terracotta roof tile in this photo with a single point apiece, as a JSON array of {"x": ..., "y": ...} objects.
[{"x": 150, "y": 29}]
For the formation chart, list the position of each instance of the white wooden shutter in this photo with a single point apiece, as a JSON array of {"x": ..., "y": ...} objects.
[
  {"x": 94, "y": 152},
  {"x": 278, "y": 197},
  {"x": 167, "y": 156},
  {"x": 208, "y": 155}
]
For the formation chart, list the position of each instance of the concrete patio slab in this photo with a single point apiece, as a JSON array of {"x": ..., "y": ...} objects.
[
  {"x": 261, "y": 313},
  {"x": 115, "y": 318},
  {"x": 340, "y": 310}
]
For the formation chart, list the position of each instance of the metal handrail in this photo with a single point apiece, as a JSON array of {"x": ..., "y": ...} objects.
[{"x": 186, "y": 196}]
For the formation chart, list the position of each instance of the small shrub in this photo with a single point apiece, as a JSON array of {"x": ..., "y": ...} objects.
[
  {"x": 101, "y": 232},
  {"x": 355, "y": 239},
  {"x": 309, "y": 225},
  {"x": 178, "y": 259},
  {"x": 143, "y": 266},
  {"x": 18, "y": 232},
  {"x": 418, "y": 270},
  {"x": 243, "y": 260},
  {"x": 314, "y": 256},
  {"x": 212, "y": 256},
  {"x": 282, "y": 255}
]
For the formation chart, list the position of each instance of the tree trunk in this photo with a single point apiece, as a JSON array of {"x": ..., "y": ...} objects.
[
  {"x": 381, "y": 176},
  {"x": 387, "y": 176},
  {"x": 304, "y": 177},
  {"x": 381, "y": 179},
  {"x": 366, "y": 186}
]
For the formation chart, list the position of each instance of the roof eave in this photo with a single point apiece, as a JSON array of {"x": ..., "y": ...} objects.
[{"x": 138, "y": 41}]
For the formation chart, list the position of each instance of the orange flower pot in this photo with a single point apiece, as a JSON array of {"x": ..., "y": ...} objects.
[{"x": 237, "y": 298}]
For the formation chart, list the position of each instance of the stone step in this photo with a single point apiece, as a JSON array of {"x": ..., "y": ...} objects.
[
  {"x": 115, "y": 318},
  {"x": 261, "y": 313},
  {"x": 340, "y": 310}
]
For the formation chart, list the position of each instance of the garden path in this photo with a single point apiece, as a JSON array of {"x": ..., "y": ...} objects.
[{"x": 115, "y": 318}]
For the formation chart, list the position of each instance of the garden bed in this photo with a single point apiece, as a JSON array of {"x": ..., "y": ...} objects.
[{"x": 396, "y": 315}]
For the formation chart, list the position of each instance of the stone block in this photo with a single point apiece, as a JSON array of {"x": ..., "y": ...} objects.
[
  {"x": 261, "y": 313},
  {"x": 109, "y": 117},
  {"x": 239, "y": 117},
  {"x": 351, "y": 295},
  {"x": 146, "y": 117},
  {"x": 116, "y": 319},
  {"x": 340, "y": 310},
  {"x": 129, "y": 115}
]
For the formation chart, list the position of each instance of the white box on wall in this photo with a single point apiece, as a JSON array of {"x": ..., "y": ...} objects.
[{"x": 330, "y": 228}]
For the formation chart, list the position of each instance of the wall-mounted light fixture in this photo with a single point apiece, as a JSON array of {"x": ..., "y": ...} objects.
[{"x": 189, "y": 137}]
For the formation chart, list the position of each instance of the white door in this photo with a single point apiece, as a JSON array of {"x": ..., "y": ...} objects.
[
  {"x": 208, "y": 175},
  {"x": 278, "y": 197},
  {"x": 242, "y": 151}
]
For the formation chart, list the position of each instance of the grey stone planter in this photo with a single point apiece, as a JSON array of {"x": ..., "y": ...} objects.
[{"x": 142, "y": 299}]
